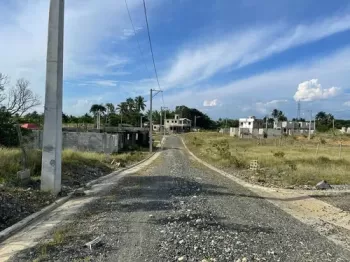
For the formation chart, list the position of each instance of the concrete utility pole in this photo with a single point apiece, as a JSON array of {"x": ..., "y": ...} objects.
[
  {"x": 310, "y": 125},
  {"x": 164, "y": 117},
  {"x": 141, "y": 121},
  {"x": 52, "y": 137},
  {"x": 150, "y": 119},
  {"x": 195, "y": 120}
]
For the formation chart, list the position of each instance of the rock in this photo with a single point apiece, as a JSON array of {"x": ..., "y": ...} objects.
[
  {"x": 244, "y": 259},
  {"x": 322, "y": 185},
  {"x": 79, "y": 192},
  {"x": 198, "y": 221},
  {"x": 181, "y": 258}
]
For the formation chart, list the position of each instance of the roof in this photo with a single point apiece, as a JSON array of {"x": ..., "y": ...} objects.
[{"x": 30, "y": 126}]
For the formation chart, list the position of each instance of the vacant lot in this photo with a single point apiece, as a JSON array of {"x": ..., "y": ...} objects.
[
  {"x": 18, "y": 201},
  {"x": 285, "y": 161}
]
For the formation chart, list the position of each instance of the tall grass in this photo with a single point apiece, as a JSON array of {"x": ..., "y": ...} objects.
[
  {"x": 10, "y": 160},
  {"x": 287, "y": 161}
]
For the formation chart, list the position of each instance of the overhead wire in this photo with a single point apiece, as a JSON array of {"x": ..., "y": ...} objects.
[
  {"x": 138, "y": 43},
  {"x": 150, "y": 45}
]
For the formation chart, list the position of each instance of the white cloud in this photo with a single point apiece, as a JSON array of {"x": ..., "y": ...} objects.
[
  {"x": 196, "y": 63},
  {"x": 108, "y": 83},
  {"x": 347, "y": 103},
  {"x": 264, "y": 108},
  {"x": 211, "y": 103},
  {"x": 129, "y": 32},
  {"x": 273, "y": 84},
  {"x": 89, "y": 25},
  {"x": 312, "y": 90}
]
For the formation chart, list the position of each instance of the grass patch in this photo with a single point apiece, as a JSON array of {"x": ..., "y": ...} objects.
[
  {"x": 283, "y": 161},
  {"x": 10, "y": 162}
]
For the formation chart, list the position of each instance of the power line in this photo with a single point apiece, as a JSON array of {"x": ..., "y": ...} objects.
[
  {"x": 150, "y": 45},
  {"x": 138, "y": 43}
]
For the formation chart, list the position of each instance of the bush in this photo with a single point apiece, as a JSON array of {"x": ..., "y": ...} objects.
[
  {"x": 323, "y": 159},
  {"x": 291, "y": 165},
  {"x": 279, "y": 154},
  {"x": 322, "y": 141}
]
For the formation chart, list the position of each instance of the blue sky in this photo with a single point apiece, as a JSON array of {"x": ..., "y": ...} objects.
[{"x": 227, "y": 58}]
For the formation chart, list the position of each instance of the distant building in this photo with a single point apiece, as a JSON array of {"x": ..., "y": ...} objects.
[
  {"x": 293, "y": 127},
  {"x": 178, "y": 124},
  {"x": 247, "y": 125}
]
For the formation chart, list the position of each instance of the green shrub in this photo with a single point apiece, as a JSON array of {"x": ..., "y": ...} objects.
[{"x": 279, "y": 154}]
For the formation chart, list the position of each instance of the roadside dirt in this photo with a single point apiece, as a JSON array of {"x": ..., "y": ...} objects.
[{"x": 16, "y": 203}]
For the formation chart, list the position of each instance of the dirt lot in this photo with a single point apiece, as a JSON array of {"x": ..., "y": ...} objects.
[{"x": 17, "y": 200}]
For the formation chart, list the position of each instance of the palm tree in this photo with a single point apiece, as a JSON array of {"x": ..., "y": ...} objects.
[
  {"x": 94, "y": 109},
  {"x": 275, "y": 113},
  {"x": 97, "y": 110},
  {"x": 110, "y": 108},
  {"x": 131, "y": 104},
  {"x": 140, "y": 103},
  {"x": 122, "y": 109}
]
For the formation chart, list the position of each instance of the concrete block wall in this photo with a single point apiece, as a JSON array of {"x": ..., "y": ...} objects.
[{"x": 96, "y": 142}]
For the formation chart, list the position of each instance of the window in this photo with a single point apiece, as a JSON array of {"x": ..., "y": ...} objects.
[
  {"x": 249, "y": 123},
  {"x": 167, "y": 121},
  {"x": 175, "y": 122},
  {"x": 172, "y": 121},
  {"x": 128, "y": 136},
  {"x": 241, "y": 123},
  {"x": 137, "y": 136}
]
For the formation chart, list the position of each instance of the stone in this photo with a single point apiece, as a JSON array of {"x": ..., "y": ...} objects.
[
  {"x": 79, "y": 192},
  {"x": 322, "y": 185},
  {"x": 23, "y": 175},
  {"x": 181, "y": 258}
]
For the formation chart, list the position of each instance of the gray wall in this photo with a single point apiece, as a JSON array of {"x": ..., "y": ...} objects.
[{"x": 96, "y": 142}]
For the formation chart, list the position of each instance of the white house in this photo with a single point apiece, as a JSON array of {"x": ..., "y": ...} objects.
[
  {"x": 178, "y": 124},
  {"x": 246, "y": 125},
  {"x": 289, "y": 127}
]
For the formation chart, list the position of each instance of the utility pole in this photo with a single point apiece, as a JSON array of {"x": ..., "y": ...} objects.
[
  {"x": 195, "y": 121},
  {"x": 310, "y": 124},
  {"x": 150, "y": 119},
  {"x": 164, "y": 117},
  {"x": 51, "y": 167},
  {"x": 141, "y": 121}
]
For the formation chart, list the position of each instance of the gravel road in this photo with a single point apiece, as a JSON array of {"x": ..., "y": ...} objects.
[{"x": 178, "y": 210}]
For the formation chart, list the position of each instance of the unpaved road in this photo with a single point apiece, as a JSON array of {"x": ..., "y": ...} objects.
[{"x": 178, "y": 210}]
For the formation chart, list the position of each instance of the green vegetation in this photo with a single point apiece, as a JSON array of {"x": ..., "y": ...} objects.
[
  {"x": 10, "y": 161},
  {"x": 283, "y": 162}
]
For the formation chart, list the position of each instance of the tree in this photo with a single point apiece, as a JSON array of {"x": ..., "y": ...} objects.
[
  {"x": 4, "y": 80},
  {"x": 275, "y": 113},
  {"x": 140, "y": 103},
  {"x": 97, "y": 109},
  {"x": 324, "y": 121},
  {"x": 278, "y": 115},
  {"x": 131, "y": 104},
  {"x": 21, "y": 98},
  {"x": 122, "y": 108},
  {"x": 8, "y": 132},
  {"x": 110, "y": 108}
]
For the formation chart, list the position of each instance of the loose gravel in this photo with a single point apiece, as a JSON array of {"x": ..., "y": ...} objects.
[{"x": 177, "y": 210}]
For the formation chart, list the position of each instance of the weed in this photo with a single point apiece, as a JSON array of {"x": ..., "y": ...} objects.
[{"x": 279, "y": 154}]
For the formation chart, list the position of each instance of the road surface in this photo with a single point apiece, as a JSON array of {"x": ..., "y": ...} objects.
[{"x": 178, "y": 210}]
